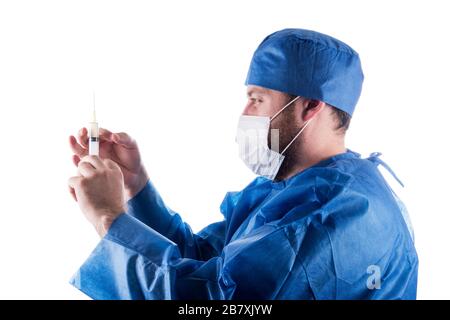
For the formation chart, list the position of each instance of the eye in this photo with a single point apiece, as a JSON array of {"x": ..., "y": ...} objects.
[{"x": 255, "y": 100}]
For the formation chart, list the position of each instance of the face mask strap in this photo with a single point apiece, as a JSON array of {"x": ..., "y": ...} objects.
[
  {"x": 296, "y": 136},
  {"x": 292, "y": 101}
]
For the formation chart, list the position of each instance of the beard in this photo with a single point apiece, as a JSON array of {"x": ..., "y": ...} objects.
[{"x": 288, "y": 127}]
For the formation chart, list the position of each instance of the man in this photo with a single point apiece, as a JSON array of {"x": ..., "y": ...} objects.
[{"x": 318, "y": 223}]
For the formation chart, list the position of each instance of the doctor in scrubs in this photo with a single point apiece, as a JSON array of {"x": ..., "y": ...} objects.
[{"x": 318, "y": 221}]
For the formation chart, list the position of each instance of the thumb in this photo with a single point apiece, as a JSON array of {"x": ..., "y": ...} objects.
[{"x": 124, "y": 140}]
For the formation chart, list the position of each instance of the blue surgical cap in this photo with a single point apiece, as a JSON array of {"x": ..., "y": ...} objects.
[{"x": 308, "y": 64}]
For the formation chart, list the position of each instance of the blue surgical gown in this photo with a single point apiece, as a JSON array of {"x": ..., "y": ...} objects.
[{"x": 333, "y": 231}]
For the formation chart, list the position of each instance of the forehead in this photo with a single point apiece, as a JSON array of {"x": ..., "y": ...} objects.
[{"x": 252, "y": 89}]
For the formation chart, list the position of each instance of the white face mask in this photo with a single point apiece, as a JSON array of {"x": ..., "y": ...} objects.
[{"x": 252, "y": 138}]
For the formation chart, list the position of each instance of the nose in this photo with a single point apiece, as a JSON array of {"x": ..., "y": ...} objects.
[{"x": 249, "y": 109}]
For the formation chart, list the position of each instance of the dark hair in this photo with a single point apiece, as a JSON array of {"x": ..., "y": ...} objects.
[{"x": 342, "y": 118}]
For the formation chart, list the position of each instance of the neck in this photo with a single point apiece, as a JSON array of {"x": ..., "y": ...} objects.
[{"x": 306, "y": 156}]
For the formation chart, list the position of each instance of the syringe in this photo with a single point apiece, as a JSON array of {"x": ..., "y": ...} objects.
[{"x": 93, "y": 134}]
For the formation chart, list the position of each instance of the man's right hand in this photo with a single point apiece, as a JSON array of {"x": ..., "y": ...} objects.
[{"x": 120, "y": 148}]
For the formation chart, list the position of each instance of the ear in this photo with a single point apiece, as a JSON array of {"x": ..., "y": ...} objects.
[{"x": 312, "y": 108}]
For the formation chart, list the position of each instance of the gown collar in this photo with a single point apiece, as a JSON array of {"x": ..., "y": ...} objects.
[
  {"x": 349, "y": 154},
  {"x": 324, "y": 163}
]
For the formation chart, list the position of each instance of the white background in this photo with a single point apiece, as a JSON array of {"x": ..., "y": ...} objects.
[{"x": 172, "y": 75}]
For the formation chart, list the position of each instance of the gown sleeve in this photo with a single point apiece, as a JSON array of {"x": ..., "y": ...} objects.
[{"x": 149, "y": 208}]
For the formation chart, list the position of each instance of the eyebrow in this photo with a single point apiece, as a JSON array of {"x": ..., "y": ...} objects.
[{"x": 252, "y": 91}]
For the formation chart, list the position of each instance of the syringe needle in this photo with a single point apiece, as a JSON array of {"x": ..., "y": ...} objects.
[{"x": 94, "y": 117}]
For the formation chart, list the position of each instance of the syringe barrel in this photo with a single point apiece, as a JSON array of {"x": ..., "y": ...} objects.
[{"x": 94, "y": 141}]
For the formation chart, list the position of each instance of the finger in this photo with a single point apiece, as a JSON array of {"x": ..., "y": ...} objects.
[
  {"x": 72, "y": 192},
  {"x": 105, "y": 134},
  {"x": 83, "y": 137},
  {"x": 74, "y": 182},
  {"x": 95, "y": 161},
  {"x": 86, "y": 169},
  {"x": 75, "y": 159},
  {"x": 76, "y": 147},
  {"x": 111, "y": 164},
  {"x": 124, "y": 139}
]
